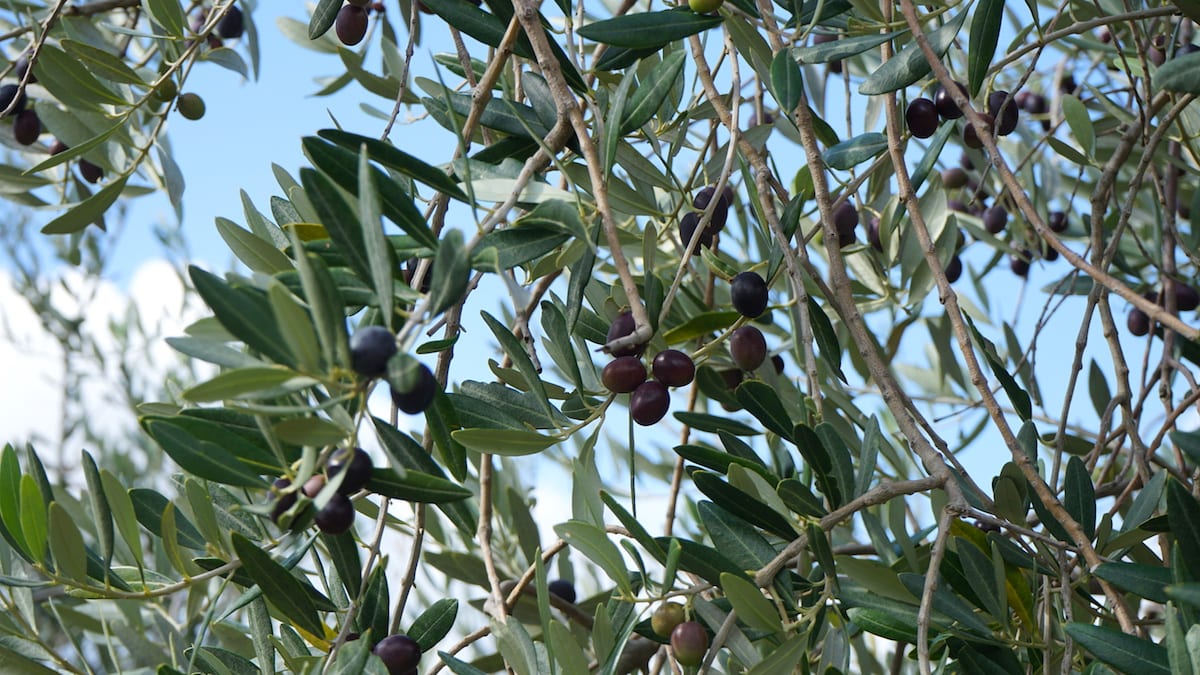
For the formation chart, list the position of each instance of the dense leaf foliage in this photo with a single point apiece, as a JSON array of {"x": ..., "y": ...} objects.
[{"x": 740, "y": 341}]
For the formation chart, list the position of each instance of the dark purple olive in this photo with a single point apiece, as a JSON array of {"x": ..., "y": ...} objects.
[
  {"x": 420, "y": 395},
  {"x": 995, "y": 219},
  {"x": 313, "y": 486},
  {"x": 27, "y": 127},
  {"x": 1186, "y": 298},
  {"x": 748, "y": 291},
  {"x": 22, "y": 67},
  {"x": 674, "y": 368},
  {"x": 748, "y": 347},
  {"x": 689, "y": 641},
  {"x": 358, "y": 466},
  {"x": 623, "y": 374},
  {"x": 687, "y": 227},
  {"x": 922, "y": 117},
  {"x": 337, "y": 516},
  {"x": 954, "y": 178},
  {"x": 58, "y": 147},
  {"x": 232, "y": 25},
  {"x": 1020, "y": 263},
  {"x": 563, "y": 589},
  {"x": 621, "y": 326},
  {"x": 400, "y": 654},
  {"x": 1057, "y": 221},
  {"x": 370, "y": 350},
  {"x": 1138, "y": 322},
  {"x": 283, "y": 501},
  {"x": 649, "y": 403},
  {"x": 90, "y": 172},
  {"x": 777, "y": 361},
  {"x": 873, "y": 235},
  {"x": 351, "y": 24},
  {"x": 720, "y": 213},
  {"x": 954, "y": 269},
  {"x": 845, "y": 220},
  {"x": 1067, "y": 84},
  {"x": 946, "y": 107},
  {"x": 1001, "y": 106},
  {"x": 957, "y": 205},
  {"x": 971, "y": 136},
  {"x": 1036, "y": 104},
  {"x": 7, "y": 93}
]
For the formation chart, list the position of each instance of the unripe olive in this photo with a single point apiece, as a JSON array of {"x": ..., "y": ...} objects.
[
  {"x": 666, "y": 617},
  {"x": 191, "y": 106}
]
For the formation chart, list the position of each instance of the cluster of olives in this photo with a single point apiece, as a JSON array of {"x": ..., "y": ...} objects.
[
  {"x": 720, "y": 215},
  {"x": 353, "y": 466},
  {"x": 924, "y": 115},
  {"x": 26, "y": 125},
  {"x": 370, "y": 350},
  {"x": 626, "y": 374},
  {"x": 231, "y": 26},
  {"x": 351, "y": 22},
  {"x": 1186, "y": 300},
  {"x": 689, "y": 639}
]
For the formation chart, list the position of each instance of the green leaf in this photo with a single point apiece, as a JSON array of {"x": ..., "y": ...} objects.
[
  {"x": 515, "y": 246},
  {"x": 910, "y": 65},
  {"x": 1126, "y": 653},
  {"x": 434, "y": 623},
  {"x": 314, "y": 431},
  {"x": 797, "y": 497},
  {"x": 516, "y": 351},
  {"x": 101, "y": 513},
  {"x": 69, "y": 82},
  {"x": 200, "y": 457},
  {"x": 459, "y": 667},
  {"x": 652, "y": 92},
  {"x": 699, "y": 325},
  {"x": 1080, "y": 122},
  {"x": 342, "y": 166},
  {"x": 714, "y": 424},
  {"x": 102, "y": 63},
  {"x": 339, "y": 219},
  {"x": 985, "y": 32},
  {"x": 822, "y": 462},
  {"x": 634, "y": 526},
  {"x": 751, "y": 605},
  {"x": 1181, "y": 74},
  {"x": 1148, "y": 581},
  {"x": 278, "y": 585},
  {"x": 841, "y": 49},
  {"x": 297, "y": 327},
  {"x": 1018, "y": 396},
  {"x": 703, "y": 561},
  {"x": 255, "y": 253},
  {"x": 507, "y": 442},
  {"x": 244, "y": 312},
  {"x": 885, "y": 624},
  {"x": 849, "y": 154},
  {"x": 451, "y": 273},
  {"x": 322, "y": 19},
  {"x": 786, "y": 82},
  {"x": 353, "y": 657},
  {"x": 88, "y": 211},
  {"x": 826, "y": 336},
  {"x": 149, "y": 506},
  {"x": 401, "y": 162},
  {"x": 33, "y": 517},
  {"x": 595, "y": 545},
  {"x": 66, "y": 544},
  {"x": 735, "y": 538},
  {"x": 123, "y": 513},
  {"x": 743, "y": 505},
  {"x": 380, "y": 255},
  {"x": 415, "y": 486},
  {"x": 719, "y": 461},
  {"x": 375, "y": 603},
  {"x": 241, "y": 383},
  {"x": 1183, "y": 516},
  {"x": 782, "y": 658},
  {"x": 761, "y": 400},
  {"x": 1079, "y": 496},
  {"x": 648, "y": 30}
]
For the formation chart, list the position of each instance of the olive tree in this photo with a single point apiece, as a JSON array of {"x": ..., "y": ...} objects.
[{"x": 772, "y": 277}]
